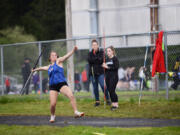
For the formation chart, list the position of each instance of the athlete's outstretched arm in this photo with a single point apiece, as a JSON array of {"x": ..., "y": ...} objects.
[
  {"x": 69, "y": 54},
  {"x": 45, "y": 68}
]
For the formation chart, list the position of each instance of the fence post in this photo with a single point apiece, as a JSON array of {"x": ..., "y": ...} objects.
[
  {"x": 2, "y": 71},
  {"x": 166, "y": 61},
  {"x": 40, "y": 64},
  {"x": 125, "y": 40}
]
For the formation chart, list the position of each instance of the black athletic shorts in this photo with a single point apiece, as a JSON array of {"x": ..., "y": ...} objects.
[{"x": 58, "y": 86}]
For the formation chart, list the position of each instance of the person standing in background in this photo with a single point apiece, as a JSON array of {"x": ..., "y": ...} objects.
[
  {"x": 44, "y": 85},
  {"x": 96, "y": 71},
  {"x": 176, "y": 74},
  {"x": 35, "y": 81},
  {"x": 26, "y": 70},
  {"x": 111, "y": 66},
  {"x": 121, "y": 74},
  {"x": 142, "y": 78},
  {"x": 8, "y": 84},
  {"x": 77, "y": 81},
  {"x": 85, "y": 79}
]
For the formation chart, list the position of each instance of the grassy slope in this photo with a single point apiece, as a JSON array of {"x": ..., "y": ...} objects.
[
  {"x": 84, "y": 130},
  {"x": 152, "y": 106}
]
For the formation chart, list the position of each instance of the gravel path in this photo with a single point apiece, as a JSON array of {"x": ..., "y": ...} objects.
[{"x": 89, "y": 121}]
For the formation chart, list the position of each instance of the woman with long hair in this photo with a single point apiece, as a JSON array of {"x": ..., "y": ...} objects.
[
  {"x": 111, "y": 69},
  {"x": 58, "y": 83}
]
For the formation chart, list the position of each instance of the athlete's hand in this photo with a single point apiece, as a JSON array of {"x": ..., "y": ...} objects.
[
  {"x": 32, "y": 70},
  {"x": 75, "y": 48}
]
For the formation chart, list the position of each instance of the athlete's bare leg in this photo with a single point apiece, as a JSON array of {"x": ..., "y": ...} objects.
[
  {"x": 53, "y": 99},
  {"x": 65, "y": 90}
]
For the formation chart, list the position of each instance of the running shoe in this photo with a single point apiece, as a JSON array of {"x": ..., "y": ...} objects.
[
  {"x": 78, "y": 114},
  {"x": 52, "y": 119}
]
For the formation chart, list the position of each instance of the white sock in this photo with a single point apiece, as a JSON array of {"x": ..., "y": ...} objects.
[{"x": 76, "y": 112}]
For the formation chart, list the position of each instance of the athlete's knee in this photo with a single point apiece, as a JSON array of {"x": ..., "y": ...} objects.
[
  {"x": 71, "y": 97},
  {"x": 53, "y": 104}
]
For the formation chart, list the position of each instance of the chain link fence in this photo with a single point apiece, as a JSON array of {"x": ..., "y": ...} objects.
[{"x": 130, "y": 50}]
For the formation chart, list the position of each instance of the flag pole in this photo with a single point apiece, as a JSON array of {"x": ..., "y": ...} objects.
[
  {"x": 142, "y": 81},
  {"x": 104, "y": 57}
]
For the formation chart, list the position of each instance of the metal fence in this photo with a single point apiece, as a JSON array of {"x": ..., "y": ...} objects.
[{"x": 130, "y": 50}]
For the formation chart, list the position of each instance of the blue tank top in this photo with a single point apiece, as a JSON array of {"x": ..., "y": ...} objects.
[{"x": 56, "y": 74}]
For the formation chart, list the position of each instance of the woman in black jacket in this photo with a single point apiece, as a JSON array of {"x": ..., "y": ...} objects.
[
  {"x": 111, "y": 66},
  {"x": 96, "y": 72}
]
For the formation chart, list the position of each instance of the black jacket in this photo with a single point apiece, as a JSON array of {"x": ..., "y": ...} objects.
[
  {"x": 95, "y": 63},
  {"x": 26, "y": 70},
  {"x": 113, "y": 65}
]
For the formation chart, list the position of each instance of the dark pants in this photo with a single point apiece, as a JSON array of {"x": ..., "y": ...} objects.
[
  {"x": 7, "y": 89},
  {"x": 44, "y": 85},
  {"x": 176, "y": 82},
  {"x": 36, "y": 86},
  {"x": 142, "y": 80},
  {"x": 98, "y": 80},
  {"x": 111, "y": 82},
  {"x": 26, "y": 89},
  {"x": 77, "y": 86},
  {"x": 86, "y": 85}
]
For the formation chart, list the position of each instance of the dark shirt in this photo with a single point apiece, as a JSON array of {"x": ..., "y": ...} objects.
[
  {"x": 113, "y": 65},
  {"x": 95, "y": 62},
  {"x": 26, "y": 70}
]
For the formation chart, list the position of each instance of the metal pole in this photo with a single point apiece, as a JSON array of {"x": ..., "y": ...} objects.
[
  {"x": 166, "y": 59},
  {"x": 2, "y": 71},
  {"x": 94, "y": 17},
  {"x": 40, "y": 64}
]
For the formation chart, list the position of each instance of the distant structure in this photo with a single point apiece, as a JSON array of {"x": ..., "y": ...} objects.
[{"x": 90, "y": 17}]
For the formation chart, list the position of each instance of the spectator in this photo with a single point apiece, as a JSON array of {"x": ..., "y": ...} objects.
[
  {"x": 44, "y": 85},
  {"x": 77, "y": 81},
  {"x": 26, "y": 70},
  {"x": 111, "y": 66},
  {"x": 132, "y": 83},
  {"x": 142, "y": 77},
  {"x": 96, "y": 71},
  {"x": 36, "y": 81},
  {"x": 121, "y": 74},
  {"x": 122, "y": 79},
  {"x": 85, "y": 79},
  {"x": 132, "y": 73},
  {"x": 127, "y": 74},
  {"x": 8, "y": 84},
  {"x": 127, "y": 78},
  {"x": 176, "y": 74}
]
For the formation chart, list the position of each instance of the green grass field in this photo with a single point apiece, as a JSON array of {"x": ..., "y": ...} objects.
[
  {"x": 84, "y": 130},
  {"x": 153, "y": 105}
]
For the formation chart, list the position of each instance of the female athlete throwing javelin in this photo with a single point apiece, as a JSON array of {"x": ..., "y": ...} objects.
[{"x": 57, "y": 82}]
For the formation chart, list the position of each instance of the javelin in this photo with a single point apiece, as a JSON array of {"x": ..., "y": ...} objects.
[
  {"x": 29, "y": 77},
  {"x": 145, "y": 58},
  {"x": 104, "y": 43}
]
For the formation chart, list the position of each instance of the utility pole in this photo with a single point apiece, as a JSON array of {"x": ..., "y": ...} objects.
[
  {"x": 154, "y": 27},
  {"x": 70, "y": 61},
  {"x": 154, "y": 18}
]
